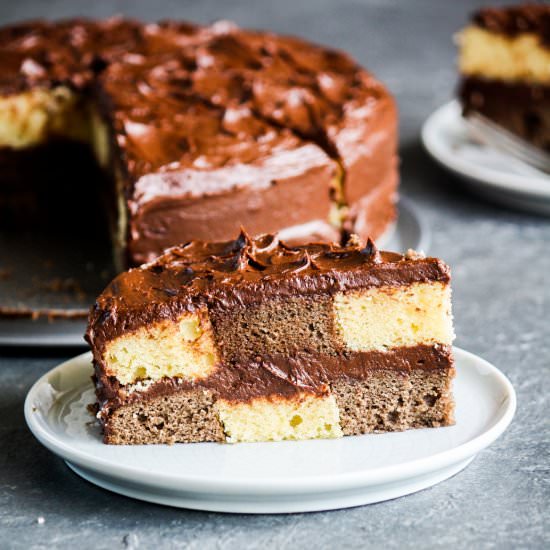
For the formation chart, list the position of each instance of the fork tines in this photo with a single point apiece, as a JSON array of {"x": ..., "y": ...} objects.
[{"x": 495, "y": 136}]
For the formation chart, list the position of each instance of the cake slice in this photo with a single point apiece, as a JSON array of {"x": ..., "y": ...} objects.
[
  {"x": 254, "y": 340},
  {"x": 504, "y": 63}
]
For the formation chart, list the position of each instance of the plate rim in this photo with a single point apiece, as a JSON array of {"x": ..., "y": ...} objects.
[
  {"x": 293, "y": 503},
  {"x": 525, "y": 186},
  {"x": 314, "y": 484}
]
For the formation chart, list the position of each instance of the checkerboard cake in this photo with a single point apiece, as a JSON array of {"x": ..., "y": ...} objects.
[{"x": 256, "y": 340}]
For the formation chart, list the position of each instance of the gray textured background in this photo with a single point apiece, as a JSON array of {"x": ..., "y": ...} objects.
[{"x": 501, "y": 266}]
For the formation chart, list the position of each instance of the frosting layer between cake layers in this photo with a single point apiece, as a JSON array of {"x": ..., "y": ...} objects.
[{"x": 264, "y": 342}]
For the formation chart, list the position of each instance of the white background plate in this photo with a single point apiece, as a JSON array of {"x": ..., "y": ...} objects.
[
  {"x": 488, "y": 171},
  {"x": 408, "y": 232},
  {"x": 271, "y": 477}
]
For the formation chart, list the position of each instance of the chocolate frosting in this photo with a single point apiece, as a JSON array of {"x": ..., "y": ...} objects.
[
  {"x": 204, "y": 112},
  {"x": 514, "y": 20},
  {"x": 242, "y": 272},
  {"x": 71, "y": 52},
  {"x": 279, "y": 375}
]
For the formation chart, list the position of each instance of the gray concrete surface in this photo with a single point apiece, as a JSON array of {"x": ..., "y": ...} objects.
[{"x": 501, "y": 263}]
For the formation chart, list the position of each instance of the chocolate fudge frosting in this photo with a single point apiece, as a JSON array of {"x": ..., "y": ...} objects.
[
  {"x": 239, "y": 273},
  {"x": 216, "y": 127},
  {"x": 279, "y": 375},
  {"x": 514, "y": 20},
  {"x": 71, "y": 52}
]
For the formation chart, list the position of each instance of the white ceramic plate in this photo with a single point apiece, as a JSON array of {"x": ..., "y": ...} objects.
[
  {"x": 487, "y": 171},
  {"x": 280, "y": 477},
  {"x": 408, "y": 232}
]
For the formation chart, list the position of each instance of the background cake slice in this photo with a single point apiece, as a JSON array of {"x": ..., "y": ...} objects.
[
  {"x": 254, "y": 340},
  {"x": 504, "y": 62},
  {"x": 200, "y": 129}
]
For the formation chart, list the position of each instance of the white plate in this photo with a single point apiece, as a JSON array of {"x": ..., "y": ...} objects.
[
  {"x": 488, "y": 172},
  {"x": 408, "y": 232},
  {"x": 280, "y": 477}
]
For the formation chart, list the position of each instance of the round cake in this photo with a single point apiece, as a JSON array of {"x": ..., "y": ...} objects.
[{"x": 203, "y": 130}]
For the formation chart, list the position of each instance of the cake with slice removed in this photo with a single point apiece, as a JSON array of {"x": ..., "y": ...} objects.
[
  {"x": 199, "y": 130},
  {"x": 255, "y": 340},
  {"x": 504, "y": 62}
]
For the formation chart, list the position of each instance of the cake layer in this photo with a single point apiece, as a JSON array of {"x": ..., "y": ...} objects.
[
  {"x": 184, "y": 348},
  {"x": 32, "y": 117},
  {"x": 270, "y": 375},
  {"x": 265, "y": 297},
  {"x": 523, "y": 109},
  {"x": 373, "y": 319},
  {"x": 383, "y": 400},
  {"x": 388, "y": 317},
  {"x": 393, "y": 401},
  {"x": 231, "y": 277},
  {"x": 180, "y": 417},
  {"x": 521, "y": 58},
  {"x": 301, "y": 416}
]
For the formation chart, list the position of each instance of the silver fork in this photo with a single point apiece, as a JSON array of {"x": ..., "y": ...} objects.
[{"x": 494, "y": 135}]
